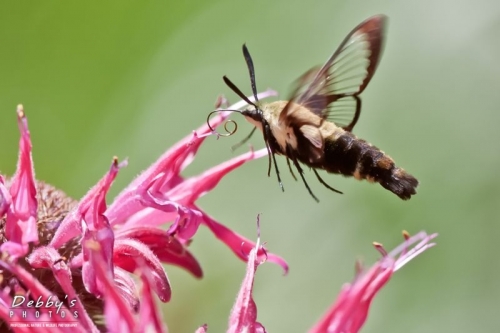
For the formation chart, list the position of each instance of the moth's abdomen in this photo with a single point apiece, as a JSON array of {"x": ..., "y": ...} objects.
[{"x": 355, "y": 157}]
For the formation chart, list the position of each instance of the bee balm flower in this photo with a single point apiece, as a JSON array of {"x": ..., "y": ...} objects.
[{"x": 43, "y": 231}]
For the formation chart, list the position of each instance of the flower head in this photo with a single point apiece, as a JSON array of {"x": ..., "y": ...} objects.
[{"x": 43, "y": 232}]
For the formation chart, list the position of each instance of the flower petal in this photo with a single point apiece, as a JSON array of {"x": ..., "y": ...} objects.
[
  {"x": 125, "y": 255},
  {"x": 187, "y": 221},
  {"x": 71, "y": 225},
  {"x": 195, "y": 187},
  {"x": 239, "y": 244},
  {"x": 5, "y": 198},
  {"x": 243, "y": 316},
  {"x": 48, "y": 257},
  {"x": 117, "y": 314},
  {"x": 165, "y": 246},
  {"x": 127, "y": 288},
  {"x": 20, "y": 227},
  {"x": 150, "y": 317},
  {"x": 95, "y": 227},
  {"x": 22, "y": 187}
]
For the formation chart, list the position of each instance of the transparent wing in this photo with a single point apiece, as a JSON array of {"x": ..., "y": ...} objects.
[{"x": 332, "y": 91}]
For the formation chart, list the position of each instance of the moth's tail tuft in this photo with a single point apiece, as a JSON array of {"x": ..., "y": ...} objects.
[{"x": 400, "y": 183}]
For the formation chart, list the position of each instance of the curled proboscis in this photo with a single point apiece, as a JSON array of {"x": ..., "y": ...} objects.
[{"x": 228, "y": 130}]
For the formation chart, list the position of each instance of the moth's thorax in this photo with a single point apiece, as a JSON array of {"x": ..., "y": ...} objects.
[{"x": 299, "y": 119}]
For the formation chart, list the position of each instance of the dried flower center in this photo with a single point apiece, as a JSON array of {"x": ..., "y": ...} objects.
[{"x": 53, "y": 206}]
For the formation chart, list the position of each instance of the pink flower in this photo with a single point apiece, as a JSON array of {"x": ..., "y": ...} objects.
[
  {"x": 350, "y": 310},
  {"x": 43, "y": 231}
]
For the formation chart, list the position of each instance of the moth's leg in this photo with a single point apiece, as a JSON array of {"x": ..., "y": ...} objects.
[
  {"x": 290, "y": 168},
  {"x": 324, "y": 183},
  {"x": 267, "y": 135},
  {"x": 301, "y": 172},
  {"x": 269, "y": 153},
  {"x": 242, "y": 142}
]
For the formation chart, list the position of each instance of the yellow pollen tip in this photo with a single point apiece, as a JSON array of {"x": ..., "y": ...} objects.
[
  {"x": 20, "y": 111},
  {"x": 91, "y": 244},
  {"x": 406, "y": 235},
  {"x": 380, "y": 248}
]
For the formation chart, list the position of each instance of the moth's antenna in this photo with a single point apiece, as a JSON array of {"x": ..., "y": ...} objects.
[
  {"x": 238, "y": 92},
  {"x": 265, "y": 126},
  {"x": 251, "y": 70}
]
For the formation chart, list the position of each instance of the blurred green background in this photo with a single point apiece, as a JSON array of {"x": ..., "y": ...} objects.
[{"x": 131, "y": 78}]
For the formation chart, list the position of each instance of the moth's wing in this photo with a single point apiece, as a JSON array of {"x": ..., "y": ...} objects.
[
  {"x": 344, "y": 111},
  {"x": 334, "y": 91}
]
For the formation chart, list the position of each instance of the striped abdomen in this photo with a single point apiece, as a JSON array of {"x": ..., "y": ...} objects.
[{"x": 355, "y": 157}]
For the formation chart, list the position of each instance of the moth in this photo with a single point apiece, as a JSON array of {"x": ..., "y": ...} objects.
[{"x": 314, "y": 126}]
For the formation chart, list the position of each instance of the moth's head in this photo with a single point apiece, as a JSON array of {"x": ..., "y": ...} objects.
[{"x": 253, "y": 114}]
